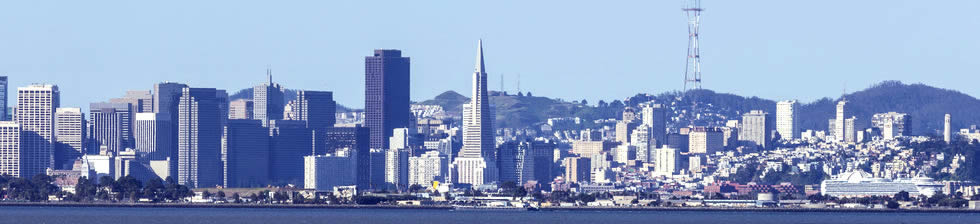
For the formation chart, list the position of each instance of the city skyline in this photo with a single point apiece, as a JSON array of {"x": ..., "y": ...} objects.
[{"x": 806, "y": 47}]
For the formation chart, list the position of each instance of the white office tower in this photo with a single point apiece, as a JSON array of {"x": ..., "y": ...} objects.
[
  {"x": 476, "y": 163},
  {"x": 788, "y": 119},
  {"x": 641, "y": 139},
  {"x": 839, "y": 127},
  {"x": 69, "y": 132},
  {"x": 947, "y": 129},
  {"x": 655, "y": 116},
  {"x": 35, "y": 113},
  {"x": 10, "y": 154},
  {"x": 396, "y": 168},
  {"x": 666, "y": 164},
  {"x": 427, "y": 169},
  {"x": 152, "y": 136},
  {"x": 324, "y": 172}
]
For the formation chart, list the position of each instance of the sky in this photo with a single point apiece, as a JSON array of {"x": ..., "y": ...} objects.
[{"x": 805, "y": 50}]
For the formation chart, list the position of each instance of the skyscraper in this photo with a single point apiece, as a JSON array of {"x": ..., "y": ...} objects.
[
  {"x": 3, "y": 98},
  {"x": 655, "y": 116},
  {"x": 843, "y": 112},
  {"x": 245, "y": 154},
  {"x": 35, "y": 113},
  {"x": 140, "y": 100},
  {"x": 10, "y": 148},
  {"x": 241, "y": 109},
  {"x": 757, "y": 128},
  {"x": 166, "y": 100},
  {"x": 357, "y": 140},
  {"x": 788, "y": 119},
  {"x": 110, "y": 126},
  {"x": 396, "y": 168},
  {"x": 476, "y": 163},
  {"x": 517, "y": 162},
  {"x": 69, "y": 131},
  {"x": 199, "y": 138},
  {"x": 291, "y": 141},
  {"x": 387, "y": 95},
  {"x": 151, "y": 134},
  {"x": 317, "y": 108},
  {"x": 268, "y": 101}
]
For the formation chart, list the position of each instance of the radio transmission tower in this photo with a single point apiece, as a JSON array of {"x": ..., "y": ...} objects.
[{"x": 692, "y": 73}]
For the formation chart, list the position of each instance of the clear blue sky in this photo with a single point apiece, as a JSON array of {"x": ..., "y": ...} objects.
[{"x": 95, "y": 50}]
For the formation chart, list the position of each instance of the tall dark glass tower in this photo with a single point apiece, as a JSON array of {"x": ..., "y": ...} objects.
[{"x": 386, "y": 95}]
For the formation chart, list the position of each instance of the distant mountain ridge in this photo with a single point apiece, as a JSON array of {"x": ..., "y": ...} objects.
[{"x": 925, "y": 104}]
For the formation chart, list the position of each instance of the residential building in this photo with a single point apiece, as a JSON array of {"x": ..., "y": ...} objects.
[{"x": 788, "y": 119}]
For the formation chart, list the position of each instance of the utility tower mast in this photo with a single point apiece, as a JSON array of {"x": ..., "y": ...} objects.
[{"x": 692, "y": 72}]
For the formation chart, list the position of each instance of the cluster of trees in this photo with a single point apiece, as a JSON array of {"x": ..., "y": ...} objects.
[
  {"x": 754, "y": 172},
  {"x": 41, "y": 187},
  {"x": 969, "y": 170}
]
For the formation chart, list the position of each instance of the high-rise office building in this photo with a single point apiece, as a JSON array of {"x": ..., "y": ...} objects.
[
  {"x": 3, "y": 98},
  {"x": 111, "y": 126},
  {"x": 655, "y": 116},
  {"x": 578, "y": 169},
  {"x": 355, "y": 139},
  {"x": 291, "y": 141},
  {"x": 36, "y": 105},
  {"x": 141, "y": 101},
  {"x": 151, "y": 134},
  {"x": 376, "y": 171},
  {"x": 240, "y": 109},
  {"x": 667, "y": 161},
  {"x": 757, "y": 129},
  {"x": 245, "y": 154},
  {"x": 843, "y": 112},
  {"x": 705, "y": 140},
  {"x": 199, "y": 138},
  {"x": 10, "y": 148},
  {"x": 788, "y": 119},
  {"x": 268, "y": 101},
  {"x": 476, "y": 163},
  {"x": 544, "y": 161},
  {"x": 387, "y": 95},
  {"x": 69, "y": 132},
  {"x": 317, "y": 108},
  {"x": 166, "y": 100},
  {"x": 427, "y": 168},
  {"x": 517, "y": 162},
  {"x": 396, "y": 168}
]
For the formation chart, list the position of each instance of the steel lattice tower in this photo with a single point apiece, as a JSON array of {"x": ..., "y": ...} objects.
[{"x": 692, "y": 72}]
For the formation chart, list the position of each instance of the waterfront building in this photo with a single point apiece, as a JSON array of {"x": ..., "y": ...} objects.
[
  {"x": 324, "y": 172},
  {"x": 387, "y": 94},
  {"x": 199, "y": 138},
  {"x": 69, "y": 125},
  {"x": 427, "y": 169},
  {"x": 788, "y": 119},
  {"x": 245, "y": 154},
  {"x": 36, "y": 105},
  {"x": 10, "y": 148}
]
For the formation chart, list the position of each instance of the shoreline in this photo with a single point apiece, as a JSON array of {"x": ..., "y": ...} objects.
[{"x": 448, "y": 207}]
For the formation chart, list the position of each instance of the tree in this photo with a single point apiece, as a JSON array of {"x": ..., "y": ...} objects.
[
  {"x": 221, "y": 194},
  {"x": 902, "y": 196},
  {"x": 892, "y": 204}
]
